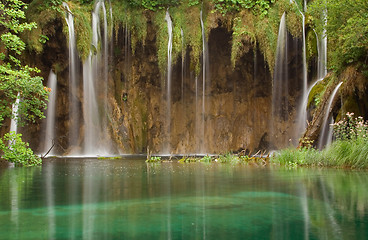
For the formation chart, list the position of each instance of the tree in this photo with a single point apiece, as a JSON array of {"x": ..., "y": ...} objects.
[
  {"x": 346, "y": 24},
  {"x": 17, "y": 80}
]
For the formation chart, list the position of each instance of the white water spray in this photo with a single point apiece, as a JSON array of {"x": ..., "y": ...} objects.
[
  {"x": 50, "y": 114},
  {"x": 205, "y": 65},
  {"x": 302, "y": 113},
  {"x": 280, "y": 79},
  {"x": 324, "y": 137},
  {"x": 73, "y": 88},
  {"x": 168, "y": 84},
  {"x": 96, "y": 140},
  {"x": 14, "y": 119}
]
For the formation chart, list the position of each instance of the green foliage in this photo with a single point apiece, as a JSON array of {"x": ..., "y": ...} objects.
[
  {"x": 350, "y": 128},
  {"x": 260, "y": 7},
  {"x": 53, "y": 4},
  {"x": 349, "y": 150},
  {"x": 206, "y": 158},
  {"x": 317, "y": 93},
  {"x": 83, "y": 29},
  {"x": 18, "y": 81},
  {"x": 154, "y": 159},
  {"x": 153, "y": 5},
  {"x": 346, "y": 25},
  {"x": 14, "y": 77},
  {"x": 16, "y": 151}
]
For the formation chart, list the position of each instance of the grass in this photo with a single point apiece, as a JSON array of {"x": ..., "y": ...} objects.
[
  {"x": 229, "y": 158},
  {"x": 340, "y": 154}
]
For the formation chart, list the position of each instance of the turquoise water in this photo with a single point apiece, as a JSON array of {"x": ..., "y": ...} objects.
[{"x": 129, "y": 199}]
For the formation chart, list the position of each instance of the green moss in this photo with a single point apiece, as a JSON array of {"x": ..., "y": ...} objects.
[
  {"x": 161, "y": 39},
  {"x": 45, "y": 27},
  {"x": 243, "y": 35},
  {"x": 83, "y": 29},
  {"x": 316, "y": 94},
  {"x": 311, "y": 45},
  {"x": 135, "y": 19},
  {"x": 350, "y": 105}
]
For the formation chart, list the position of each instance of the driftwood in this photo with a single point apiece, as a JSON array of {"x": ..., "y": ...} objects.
[{"x": 52, "y": 146}]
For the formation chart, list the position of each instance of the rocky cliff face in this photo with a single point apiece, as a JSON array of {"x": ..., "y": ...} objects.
[{"x": 237, "y": 101}]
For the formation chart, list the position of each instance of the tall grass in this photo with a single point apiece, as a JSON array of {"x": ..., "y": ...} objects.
[{"x": 350, "y": 150}]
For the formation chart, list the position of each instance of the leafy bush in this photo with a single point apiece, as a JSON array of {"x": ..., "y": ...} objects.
[
  {"x": 349, "y": 150},
  {"x": 154, "y": 159},
  {"x": 346, "y": 24},
  {"x": 153, "y": 5},
  {"x": 260, "y": 6},
  {"x": 16, "y": 151},
  {"x": 350, "y": 128}
]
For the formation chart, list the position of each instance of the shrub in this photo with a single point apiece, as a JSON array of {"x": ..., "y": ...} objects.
[{"x": 16, "y": 151}]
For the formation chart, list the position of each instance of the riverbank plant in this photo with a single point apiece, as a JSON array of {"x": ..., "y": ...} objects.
[
  {"x": 153, "y": 159},
  {"x": 16, "y": 151},
  {"x": 231, "y": 158},
  {"x": 349, "y": 150},
  {"x": 18, "y": 82}
]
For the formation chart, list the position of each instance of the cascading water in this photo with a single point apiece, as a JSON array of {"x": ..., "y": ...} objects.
[
  {"x": 302, "y": 113},
  {"x": 182, "y": 64},
  {"x": 205, "y": 65},
  {"x": 73, "y": 84},
  {"x": 280, "y": 79},
  {"x": 325, "y": 136},
  {"x": 14, "y": 119},
  {"x": 322, "y": 56},
  {"x": 168, "y": 83},
  {"x": 96, "y": 140},
  {"x": 50, "y": 114}
]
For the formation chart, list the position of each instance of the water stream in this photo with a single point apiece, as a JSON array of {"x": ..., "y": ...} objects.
[
  {"x": 74, "y": 116},
  {"x": 302, "y": 112},
  {"x": 49, "y": 137},
  {"x": 325, "y": 134},
  {"x": 95, "y": 83},
  {"x": 205, "y": 66},
  {"x": 168, "y": 83},
  {"x": 14, "y": 119},
  {"x": 280, "y": 91}
]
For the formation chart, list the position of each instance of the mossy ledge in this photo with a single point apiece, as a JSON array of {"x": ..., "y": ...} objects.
[{"x": 248, "y": 28}]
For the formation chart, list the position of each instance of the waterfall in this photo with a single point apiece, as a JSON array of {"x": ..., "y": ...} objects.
[
  {"x": 50, "y": 114},
  {"x": 302, "y": 113},
  {"x": 96, "y": 139},
  {"x": 205, "y": 65},
  {"x": 14, "y": 119},
  {"x": 322, "y": 56},
  {"x": 182, "y": 65},
  {"x": 168, "y": 84},
  {"x": 73, "y": 84},
  {"x": 324, "y": 137},
  {"x": 322, "y": 51},
  {"x": 280, "y": 80}
]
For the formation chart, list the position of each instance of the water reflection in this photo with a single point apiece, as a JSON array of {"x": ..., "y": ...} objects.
[{"x": 122, "y": 199}]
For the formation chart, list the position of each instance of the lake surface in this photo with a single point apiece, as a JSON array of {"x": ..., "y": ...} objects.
[{"x": 129, "y": 199}]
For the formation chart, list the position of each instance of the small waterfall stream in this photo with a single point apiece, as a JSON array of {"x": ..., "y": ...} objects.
[
  {"x": 50, "y": 114},
  {"x": 326, "y": 134},
  {"x": 96, "y": 140},
  {"x": 182, "y": 64},
  {"x": 14, "y": 119},
  {"x": 280, "y": 79},
  {"x": 168, "y": 83},
  {"x": 73, "y": 80},
  {"x": 302, "y": 113},
  {"x": 205, "y": 66}
]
